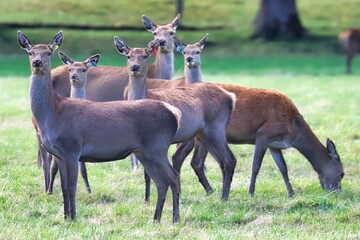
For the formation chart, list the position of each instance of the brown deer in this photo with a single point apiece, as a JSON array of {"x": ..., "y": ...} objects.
[
  {"x": 77, "y": 76},
  {"x": 107, "y": 83},
  {"x": 205, "y": 109},
  {"x": 266, "y": 118},
  {"x": 350, "y": 40},
  {"x": 76, "y": 130}
]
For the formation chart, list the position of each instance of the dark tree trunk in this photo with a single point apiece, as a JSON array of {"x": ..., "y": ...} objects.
[
  {"x": 278, "y": 18},
  {"x": 179, "y": 7}
]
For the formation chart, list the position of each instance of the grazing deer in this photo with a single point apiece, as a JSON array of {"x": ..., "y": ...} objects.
[
  {"x": 76, "y": 130},
  {"x": 350, "y": 40},
  {"x": 78, "y": 75},
  {"x": 205, "y": 109},
  {"x": 266, "y": 118}
]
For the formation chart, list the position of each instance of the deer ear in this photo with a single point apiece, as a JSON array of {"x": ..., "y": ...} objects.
[
  {"x": 148, "y": 24},
  {"x": 179, "y": 45},
  {"x": 65, "y": 59},
  {"x": 24, "y": 41},
  {"x": 121, "y": 46},
  {"x": 154, "y": 44},
  {"x": 331, "y": 149},
  {"x": 175, "y": 22},
  {"x": 203, "y": 41},
  {"x": 56, "y": 42},
  {"x": 92, "y": 61}
]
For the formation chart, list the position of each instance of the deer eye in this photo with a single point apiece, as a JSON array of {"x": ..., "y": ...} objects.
[
  {"x": 198, "y": 52},
  {"x": 184, "y": 52},
  {"x": 69, "y": 70},
  {"x": 128, "y": 57},
  {"x": 30, "y": 53},
  {"x": 49, "y": 53},
  {"x": 155, "y": 33},
  {"x": 83, "y": 70},
  {"x": 171, "y": 33}
]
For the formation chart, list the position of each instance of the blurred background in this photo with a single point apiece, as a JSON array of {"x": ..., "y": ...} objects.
[{"x": 247, "y": 36}]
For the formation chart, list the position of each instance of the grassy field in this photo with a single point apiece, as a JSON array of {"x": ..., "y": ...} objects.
[
  {"x": 310, "y": 72},
  {"x": 116, "y": 208}
]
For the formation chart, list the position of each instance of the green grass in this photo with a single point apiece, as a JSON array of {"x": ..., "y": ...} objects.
[
  {"x": 310, "y": 72},
  {"x": 116, "y": 208}
]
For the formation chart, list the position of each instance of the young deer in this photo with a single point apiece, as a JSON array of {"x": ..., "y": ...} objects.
[
  {"x": 267, "y": 119},
  {"x": 350, "y": 40},
  {"x": 205, "y": 109},
  {"x": 76, "y": 130},
  {"x": 78, "y": 76}
]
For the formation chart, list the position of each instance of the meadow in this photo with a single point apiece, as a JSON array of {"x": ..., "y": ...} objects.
[{"x": 310, "y": 72}]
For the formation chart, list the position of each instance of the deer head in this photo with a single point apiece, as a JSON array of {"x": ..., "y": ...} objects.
[
  {"x": 163, "y": 33},
  {"x": 191, "y": 52},
  {"x": 40, "y": 54},
  {"x": 137, "y": 57},
  {"x": 330, "y": 177},
  {"x": 78, "y": 70}
]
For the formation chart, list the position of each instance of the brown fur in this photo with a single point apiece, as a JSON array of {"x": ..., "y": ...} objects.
[{"x": 350, "y": 40}]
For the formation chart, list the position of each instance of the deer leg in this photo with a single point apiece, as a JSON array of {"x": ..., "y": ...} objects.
[
  {"x": 280, "y": 162},
  {"x": 182, "y": 151},
  {"x": 147, "y": 186},
  {"x": 68, "y": 175},
  {"x": 161, "y": 185},
  {"x": 198, "y": 165},
  {"x": 134, "y": 163},
  {"x": 72, "y": 166},
  {"x": 53, "y": 171},
  {"x": 260, "y": 149},
  {"x": 45, "y": 162},
  {"x": 216, "y": 144},
  {"x": 64, "y": 186},
  {"x": 84, "y": 176},
  {"x": 348, "y": 63}
]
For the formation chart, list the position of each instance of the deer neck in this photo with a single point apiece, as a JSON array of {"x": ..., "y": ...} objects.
[
  {"x": 192, "y": 75},
  {"x": 42, "y": 100},
  {"x": 137, "y": 87},
  {"x": 164, "y": 64},
  {"x": 77, "y": 92},
  {"x": 310, "y": 146}
]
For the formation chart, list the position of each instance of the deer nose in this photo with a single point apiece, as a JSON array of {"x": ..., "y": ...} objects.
[
  {"x": 189, "y": 59},
  {"x": 135, "y": 68},
  {"x": 162, "y": 42},
  {"x": 37, "y": 63}
]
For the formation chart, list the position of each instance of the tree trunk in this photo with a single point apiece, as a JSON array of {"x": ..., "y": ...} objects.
[
  {"x": 278, "y": 18},
  {"x": 179, "y": 7}
]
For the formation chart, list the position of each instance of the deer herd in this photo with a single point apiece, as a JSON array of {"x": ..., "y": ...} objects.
[{"x": 88, "y": 113}]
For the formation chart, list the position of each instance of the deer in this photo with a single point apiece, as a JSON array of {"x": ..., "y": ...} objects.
[
  {"x": 107, "y": 83},
  {"x": 267, "y": 119},
  {"x": 205, "y": 109},
  {"x": 77, "y": 76},
  {"x": 74, "y": 130},
  {"x": 350, "y": 40}
]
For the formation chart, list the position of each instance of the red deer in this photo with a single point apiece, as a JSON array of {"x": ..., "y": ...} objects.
[
  {"x": 350, "y": 40},
  {"x": 76, "y": 130},
  {"x": 205, "y": 109},
  {"x": 78, "y": 72},
  {"x": 265, "y": 118},
  {"x": 107, "y": 83}
]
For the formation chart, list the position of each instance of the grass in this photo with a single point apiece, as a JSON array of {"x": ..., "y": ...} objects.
[
  {"x": 116, "y": 209},
  {"x": 310, "y": 72}
]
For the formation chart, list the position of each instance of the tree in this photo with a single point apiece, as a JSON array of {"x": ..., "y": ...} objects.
[
  {"x": 179, "y": 7},
  {"x": 278, "y": 18}
]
